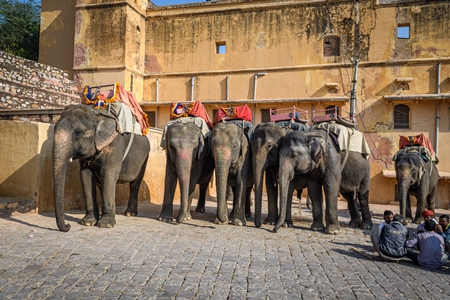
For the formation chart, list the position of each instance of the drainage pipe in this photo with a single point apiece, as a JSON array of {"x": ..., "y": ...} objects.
[
  {"x": 254, "y": 83},
  {"x": 438, "y": 112},
  {"x": 192, "y": 88},
  {"x": 226, "y": 89},
  {"x": 157, "y": 90}
]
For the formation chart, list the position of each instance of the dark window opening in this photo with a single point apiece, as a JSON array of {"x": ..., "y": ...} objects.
[
  {"x": 265, "y": 115},
  {"x": 333, "y": 91},
  {"x": 151, "y": 116},
  {"x": 332, "y": 109},
  {"x": 401, "y": 116},
  {"x": 331, "y": 46}
]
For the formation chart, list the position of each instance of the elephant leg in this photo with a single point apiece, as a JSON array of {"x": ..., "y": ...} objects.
[
  {"x": 238, "y": 217},
  {"x": 108, "y": 218},
  {"x": 170, "y": 183},
  {"x": 89, "y": 187},
  {"x": 421, "y": 197},
  {"x": 288, "y": 220},
  {"x": 134, "y": 192},
  {"x": 202, "y": 198},
  {"x": 365, "y": 211},
  {"x": 315, "y": 194},
  {"x": 331, "y": 212},
  {"x": 352, "y": 204},
  {"x": 248, "y": 202},
  {"x": 408, "y": 208},
  {"x": 272, "y": 199}
]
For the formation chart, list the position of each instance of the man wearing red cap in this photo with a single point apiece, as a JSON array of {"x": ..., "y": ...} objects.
[{"x": 427, "y": 215}]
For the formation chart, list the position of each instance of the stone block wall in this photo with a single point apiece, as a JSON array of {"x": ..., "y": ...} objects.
[{"x": 28, "y": 85}]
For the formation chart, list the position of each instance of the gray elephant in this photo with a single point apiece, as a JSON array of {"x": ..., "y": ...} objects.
[
  {"x": 315, "y": 155},
  {"x": 266, "y": 144},
  {"x": 188, "y": 160},
  {"x": 233, "y": 167},
  {"x": 106, "y": 157},
  {"x": 418, "y": 177}
]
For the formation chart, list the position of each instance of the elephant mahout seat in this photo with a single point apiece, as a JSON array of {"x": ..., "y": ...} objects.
[
  {"x": 239, "y": 115},
  {"x": 418, "y": 143}
]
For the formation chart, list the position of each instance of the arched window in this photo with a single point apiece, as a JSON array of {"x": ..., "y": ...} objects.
[
  {"x": 401, "y": 116},
  {"x": 403, "y": 86},
  {"x": 331, "y": 46}
]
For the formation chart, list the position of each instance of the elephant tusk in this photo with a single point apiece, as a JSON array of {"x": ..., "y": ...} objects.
[{"x": 70, "y": 160}]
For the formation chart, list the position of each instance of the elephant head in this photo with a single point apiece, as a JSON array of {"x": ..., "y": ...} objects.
[
  {"x": 300, "y": 154},
  {"x": 80, "y": 133},
  {"x": 265, "y": 145},
  {"x": 409, "y": 169},
  {"x": 185, "y": 150},
  {"x": 232, "y": 157}
]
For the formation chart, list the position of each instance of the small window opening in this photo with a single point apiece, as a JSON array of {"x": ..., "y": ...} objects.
[
  {"x": 401, "y": 116},
  {"x": 151, "y": 116},
  {"x": 221, "y": 48},
  {"x": 331, "y": 46},
  {"x": 265, "y": 115},
  {"x": 403, "y": 31},
  {"x": 403, "y": 86},
  {"x": 333, "y": 91}
]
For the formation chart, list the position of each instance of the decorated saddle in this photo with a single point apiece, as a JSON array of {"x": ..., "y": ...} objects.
[
  {"x": 240, "y": 116},
  {"x": 420, "y": 144},
  {"x": 121, "y": 103},
  {"x": 185, "y": 109},
  {"x": 290, "y": 118},
  {"x": 346, "y": 138}
]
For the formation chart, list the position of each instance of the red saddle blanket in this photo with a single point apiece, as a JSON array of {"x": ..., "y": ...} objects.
[
  {"x": 183, "y": 109},
  {"x": 233, "y": 113},
  {"x": 417, "y": 140}
]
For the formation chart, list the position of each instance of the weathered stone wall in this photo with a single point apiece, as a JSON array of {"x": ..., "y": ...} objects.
[{"x": 25, "y": 84}]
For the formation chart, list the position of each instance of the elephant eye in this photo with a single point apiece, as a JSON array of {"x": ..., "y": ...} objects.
[{"x": 77, "y": 133}]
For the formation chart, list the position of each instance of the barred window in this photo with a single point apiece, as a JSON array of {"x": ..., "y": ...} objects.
[
  {"x": 331, "y": 46},
  {"x": 265, "y": 115},
  {"x": 403, "y": 86},
  {"x": 401, "y": 116}
]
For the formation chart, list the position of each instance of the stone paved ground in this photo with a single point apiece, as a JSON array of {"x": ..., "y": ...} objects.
[{"x": 142, "y": 258}]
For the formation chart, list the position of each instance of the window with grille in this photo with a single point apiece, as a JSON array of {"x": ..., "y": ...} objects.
[
  {"x": 403, "y": 86},
  {"x": 331, "y": 46},
  {"x": 151, "y": 115},
  {"x": 401, "y": 116},
  {"x": 265, "y": 115}
]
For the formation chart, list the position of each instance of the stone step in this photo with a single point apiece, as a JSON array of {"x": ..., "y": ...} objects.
[{"x": 9, "y": 206}]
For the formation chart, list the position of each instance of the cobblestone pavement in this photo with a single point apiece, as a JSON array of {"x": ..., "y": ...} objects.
[{"x": 142, "y": 258}]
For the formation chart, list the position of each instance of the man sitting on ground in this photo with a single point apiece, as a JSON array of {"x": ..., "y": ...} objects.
[
  {"x": 431, "y": 247},
  {"x": 392, "y": 240},
  {"x": 388, "y": 216},
  {"x": 443, "y": 228},
  {"x": 427, "y": 215}
]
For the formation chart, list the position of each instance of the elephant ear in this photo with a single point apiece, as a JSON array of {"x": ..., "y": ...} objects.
[
  {"x": 316, "y": 148},
  {"x": 105, "y": 133}
]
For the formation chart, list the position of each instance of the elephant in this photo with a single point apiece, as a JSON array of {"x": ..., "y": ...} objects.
[
  {"x": 266, "y": 144},
  {"x": 416, "y": 177},
  {"x": 314, "y": 155},
  {"x": 233, "y": 167},
  {"x": 188, "y": 160},
  {"x": 91, "y": 136}
]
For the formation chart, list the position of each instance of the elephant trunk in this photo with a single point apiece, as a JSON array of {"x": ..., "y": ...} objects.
[
  {"x": 403, "y": 187},
  {"x": 259, "y": 166},
  {"x": 61, "y": 155},
  {"x": 284, "y": 187},
  {"x": 183, "y": 166},
  {"x": 222, "y": 159}
]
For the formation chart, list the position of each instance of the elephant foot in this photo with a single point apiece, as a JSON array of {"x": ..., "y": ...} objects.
[
  {"x": 271, "y": 220},
  {"x": 166, "y": 219},
  {"x": 200, "y": 209},
  {"x": 354, "y": 223},
  {"x": 333, "y": 229},
  {"x": 288, "y": 223},
  {"x": 89, "y": 221},
  {"x": 248, "y": 214},
  {"x": 238, "y": 222},
  {"x": 129, "y": 213},
  {"x": 218, "y": 222},
  {"x": 416, "y": 221},
  {"x": 317, "y": 226},
  {"x": 366, "y": 225},
  {"x": 106, "y": 222}
]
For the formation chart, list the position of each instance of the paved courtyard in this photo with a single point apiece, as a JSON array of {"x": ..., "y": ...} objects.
[{"x": 142, "y": 258}]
